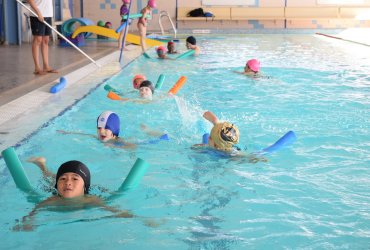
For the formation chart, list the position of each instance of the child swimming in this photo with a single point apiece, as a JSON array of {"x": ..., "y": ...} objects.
[
  {"x": 72, "y": 184},
  {"x": 161, "y": 52},
  {"x": 252, "y": 68},
  {"x": 171, "y": 48},
  {"x": 137, "y": 80},
  {"x": 107, "y": 129},
  {"x": 224, "y": 137},
  {"x": 191, "y": 43}
]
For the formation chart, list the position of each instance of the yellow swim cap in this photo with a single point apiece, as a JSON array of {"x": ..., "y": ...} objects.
[{"x": 225, "y": 135}]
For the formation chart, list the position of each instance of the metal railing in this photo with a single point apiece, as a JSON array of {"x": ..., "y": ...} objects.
[{"x": 165, "y": 14}]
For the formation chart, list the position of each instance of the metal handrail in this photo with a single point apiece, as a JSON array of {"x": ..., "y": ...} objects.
[{"x": 164, "y": 13}]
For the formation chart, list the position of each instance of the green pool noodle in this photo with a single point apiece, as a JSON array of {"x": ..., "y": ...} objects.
[
  {"x": 134, "y": 176},
  {"x": 146, "y": 55},
  {"x": 137, "y": 15},
  {"x": 160, "y": 81},
  {"x": 186, "y": 54},
  {"x": 16, "y": 169}
]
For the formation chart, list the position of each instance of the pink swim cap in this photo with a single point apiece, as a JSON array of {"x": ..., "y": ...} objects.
[
  {"x": 161, "y": 48},
  {"x": 138, "y": 76},
  {"x": 254, "y": 65},
  {"x": 152, "y": 4},
  {"x": 126, "y": 1}
]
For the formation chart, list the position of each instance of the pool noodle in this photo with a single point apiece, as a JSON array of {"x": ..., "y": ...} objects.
[
  {"x": 205, "y": 138},
  {"x": 133, "y": 16},
  {"x": 186, "y": 54},
  {"x": 120, "y": 28},
  {"x": 135, "y": 175},
  {"x": 163, "y": 137},
  {"x": 160, "y": 81},
  {"x": 113, "y": 96},
  {"x": 146, "y": 55},
  {"x": 59, "y": 86},
  {"x": 177, "y": 85},
  {"x": 286, "y": 140},
  {"x": 16, "y": 169}
]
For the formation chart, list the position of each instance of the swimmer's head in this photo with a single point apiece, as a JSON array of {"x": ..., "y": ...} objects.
[
  {"x": 170, "y": 46},
  {"x": 161, "y": 51},
  {"x": 136, "y": 81},
  {"x": 152, "y": 4},
  {"x": 253, "y": 65},
  {"x": 67, "y": 173},
  {"x": 108, "y": 125},
  {"x": 224, "y": 135},
  {"x": 191, "y": 40},
  {"x": 146, "y": 89}
]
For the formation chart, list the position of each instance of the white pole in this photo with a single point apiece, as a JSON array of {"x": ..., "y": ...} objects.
[{"x": 66, "y": 39}]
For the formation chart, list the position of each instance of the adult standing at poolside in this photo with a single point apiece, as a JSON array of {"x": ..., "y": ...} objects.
[{"x": 41, "y": 34}]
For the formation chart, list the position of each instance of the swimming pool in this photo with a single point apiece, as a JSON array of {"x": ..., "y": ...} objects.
[{"x": 312, "y": 195}]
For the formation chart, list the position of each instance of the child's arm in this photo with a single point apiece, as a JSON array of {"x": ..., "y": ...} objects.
[
  {"x": 151, "y": 132},
  {"x": 74, "y": 133},
  {"x": 41, "y": 163},
  {"x": 208, "y": 115},
  {"x": 34, "y": 7}
]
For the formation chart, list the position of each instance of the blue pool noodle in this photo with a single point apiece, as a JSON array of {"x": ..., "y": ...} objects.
[
  {"x": 286, "y": 140},
  {"x": 59, "y": 86},
  {"x": 163, "y": 137},
  {"x": 160, "y": 81},
  {"x": 120, "y": 28},
  {"x": 205, "y": 138},
  {"x": 135, "y": 175},
  {"x": 16, "y": 169}
]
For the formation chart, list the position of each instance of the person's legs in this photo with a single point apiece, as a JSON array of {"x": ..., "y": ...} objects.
[
  {"x": 36, "y": 43},
  {"x": 142, "y": 31},
  {"x": 45, "y": 47}
]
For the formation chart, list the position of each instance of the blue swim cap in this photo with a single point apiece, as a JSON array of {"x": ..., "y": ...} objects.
[{"x": 109, "y": 120}]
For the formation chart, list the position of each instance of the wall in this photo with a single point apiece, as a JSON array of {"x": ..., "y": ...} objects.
[{"x": 108, "y": 10}]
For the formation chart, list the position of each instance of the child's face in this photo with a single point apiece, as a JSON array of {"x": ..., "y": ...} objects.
[
  {"x": 137, "y": 82},
  {"x": 188, "y": 45},
  {"x": 171, "y": 47},
  {"x": 70, "y": 185},
  {"x": 146, "y": 93},
  {"x": 105, "y": 134}
]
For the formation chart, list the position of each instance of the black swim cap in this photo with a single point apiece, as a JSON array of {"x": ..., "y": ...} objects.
[
  {"x": 191, "y": 40},
  {"x": 148, "y": 84},
  {"x": 76, "y": 167}
]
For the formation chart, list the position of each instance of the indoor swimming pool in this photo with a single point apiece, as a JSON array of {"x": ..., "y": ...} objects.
[{"x": 313, "y": 194}]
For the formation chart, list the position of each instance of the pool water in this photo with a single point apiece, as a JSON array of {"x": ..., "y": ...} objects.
[{"x": 311, "y": 195}]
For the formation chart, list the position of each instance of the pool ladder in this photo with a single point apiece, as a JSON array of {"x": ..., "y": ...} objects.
[{"x": 164, "y": 13}]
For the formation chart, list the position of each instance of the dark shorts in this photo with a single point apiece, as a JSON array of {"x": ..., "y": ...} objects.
[{"x": 38, "y": 28}]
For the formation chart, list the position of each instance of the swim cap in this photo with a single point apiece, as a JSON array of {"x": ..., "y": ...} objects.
[
  {"x": 191, "y": 40},
  {"x": 138, "y": 76},
  {"x": 254, "y": 65},
  {"x": 152, "y": 4},
  {"x": 126, "y": 1},
  {"x": 161, "y": 48},
  {"x": 76, "y": 167},
  {"x": 109, "y": 120},
  {"x": 225, "y": 135},
  {"x": 148, "y": 84},
  {"x": 170, "y": 43}
]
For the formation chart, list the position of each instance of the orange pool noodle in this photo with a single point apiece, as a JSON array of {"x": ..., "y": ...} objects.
[
  {"x": 113, "y": 96},
  {"x": 178, "y": 85}
]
